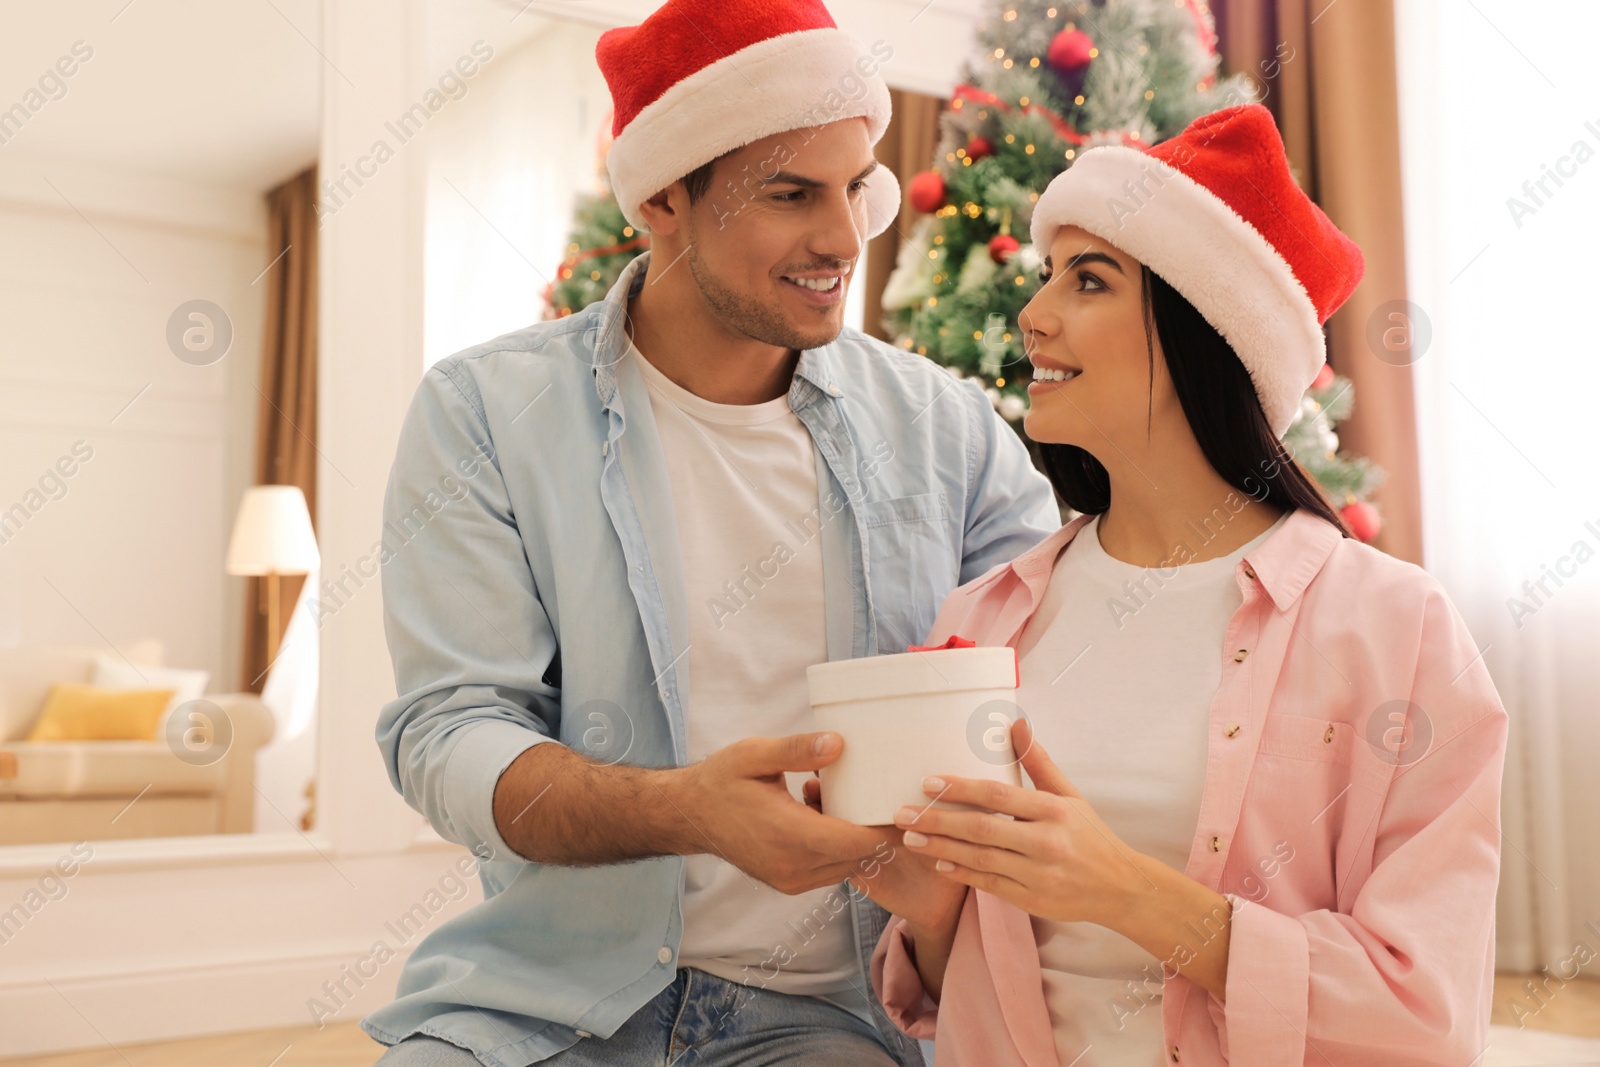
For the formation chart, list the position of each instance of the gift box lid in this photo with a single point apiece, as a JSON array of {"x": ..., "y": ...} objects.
[{"x": 944, "y": 670}]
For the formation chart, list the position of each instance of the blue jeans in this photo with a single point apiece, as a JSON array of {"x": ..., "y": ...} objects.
[{"x": 700, "y": 1020}]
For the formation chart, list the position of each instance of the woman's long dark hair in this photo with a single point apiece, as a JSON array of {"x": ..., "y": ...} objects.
[{"x": 1223, "y": 410}]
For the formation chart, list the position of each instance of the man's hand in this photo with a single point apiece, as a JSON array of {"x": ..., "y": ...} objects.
[
  {"x": 738, "y": 800},
  {"x": 902, "y": 881},
  {"x": 553, "y": 805}
]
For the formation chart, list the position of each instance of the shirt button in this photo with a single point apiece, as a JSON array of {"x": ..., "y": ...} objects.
[
  {"x": 833, "y": 390},
  {"x": 605, "y": 449},
  {"x": 1248, "y": 573},
  {"x": 1174, "y": 1053},
  {"x": 1238, "y": 657},
  {"x": 664, "y": 954},
  {"x": 1327, "y": 738},
  {"x": 1216, "y": 844},
  {"x": 584, "y": 1033},
  {"x": 1232, "y": 729}
]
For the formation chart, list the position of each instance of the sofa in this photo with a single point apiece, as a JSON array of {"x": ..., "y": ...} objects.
[{"x": 56, "y": 791}]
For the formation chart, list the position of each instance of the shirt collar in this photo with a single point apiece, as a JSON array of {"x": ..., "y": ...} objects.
[
  {"x": 1284, "y": 563},
  {"x": 608, "y": 343}
]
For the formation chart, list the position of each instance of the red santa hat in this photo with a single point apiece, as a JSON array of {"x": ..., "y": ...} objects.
[
  {"x": 1217, "y": 214},
  {"x": 698, "y": 79}
]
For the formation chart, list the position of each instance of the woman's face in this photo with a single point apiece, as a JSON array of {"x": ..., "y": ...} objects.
[{"x": 1088, "y": 321}]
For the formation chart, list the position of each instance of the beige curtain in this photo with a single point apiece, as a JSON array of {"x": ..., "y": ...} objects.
[
  {"x": 286, "y": 437},
  {"x": 906, "y": 147},
  {"x": 1327, "y": 71}
]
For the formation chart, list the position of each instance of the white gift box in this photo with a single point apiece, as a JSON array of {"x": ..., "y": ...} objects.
[{"x": 908, "y": 715}]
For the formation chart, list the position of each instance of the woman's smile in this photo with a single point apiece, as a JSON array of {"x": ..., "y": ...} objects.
[{"x": 1049, "y": 373}]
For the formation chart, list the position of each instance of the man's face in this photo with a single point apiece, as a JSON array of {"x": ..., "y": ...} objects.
[{"x": 776, "y": 240}]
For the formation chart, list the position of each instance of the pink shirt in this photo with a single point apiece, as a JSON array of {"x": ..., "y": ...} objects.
[{"x": 1361, "y": 866}]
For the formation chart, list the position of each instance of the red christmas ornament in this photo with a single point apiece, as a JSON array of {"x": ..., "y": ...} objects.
[
  {"x": 979, "y": 147},
  {"x": 1363, "y": 520},
  {"x": 1003, "y": 248},
  {"x": 1324, "y": 377},
  {"x": 1069, "y": 51},
  {"x": 927, "y": 191}
]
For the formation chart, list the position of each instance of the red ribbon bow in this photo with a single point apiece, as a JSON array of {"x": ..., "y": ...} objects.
[
  {"x": 953, "y": 642},
  {"x": 956, "y": 641}
]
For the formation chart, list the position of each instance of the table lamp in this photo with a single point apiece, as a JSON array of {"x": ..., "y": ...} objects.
[{"x": 272, "y": 536}]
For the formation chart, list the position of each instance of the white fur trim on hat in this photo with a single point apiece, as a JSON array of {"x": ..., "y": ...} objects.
[
  {"x": 788, "y": 82},
  {"x": 1206, "y": 251}
]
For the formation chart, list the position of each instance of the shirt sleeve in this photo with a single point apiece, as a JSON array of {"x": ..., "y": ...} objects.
[
  {"x": 471, "y": 643},
  {"x": 899, "y": 986},
  {"x": 1010, "y": 505},
  {"x": 1407, "y": 975}
]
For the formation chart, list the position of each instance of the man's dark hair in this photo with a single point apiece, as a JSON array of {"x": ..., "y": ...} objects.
[
  {"x": 698, "y": 181},
  {"x": 1223, "y": 410}
]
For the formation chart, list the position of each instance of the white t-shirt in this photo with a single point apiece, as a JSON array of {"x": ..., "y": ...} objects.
[
  {"x": 1119, "y": 667},
  {"x": 744, "y": 484}
]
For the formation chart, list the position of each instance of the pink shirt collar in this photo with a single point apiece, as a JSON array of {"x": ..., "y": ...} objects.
[{"x": 1285, "y": 562}]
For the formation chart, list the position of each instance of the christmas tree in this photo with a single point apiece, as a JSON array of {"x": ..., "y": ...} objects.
[
  {"x": 1346, "y": 480},
  {"x": 602, "y": 244},
  {"x": 1049, "y": 81}
]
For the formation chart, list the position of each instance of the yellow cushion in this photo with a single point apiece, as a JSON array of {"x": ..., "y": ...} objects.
[{"x": 75, "y": 712}]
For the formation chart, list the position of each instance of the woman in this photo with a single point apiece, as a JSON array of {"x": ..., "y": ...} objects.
[{"x": 1276, "y": 840}]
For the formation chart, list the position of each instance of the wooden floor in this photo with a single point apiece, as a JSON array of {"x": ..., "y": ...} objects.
[
  {"x": 1571, "y": 1009},
  {"x": 343, "y": 1045}
]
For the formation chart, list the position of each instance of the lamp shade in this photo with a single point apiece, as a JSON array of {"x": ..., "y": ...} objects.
[{"x": 273, "y": 533}]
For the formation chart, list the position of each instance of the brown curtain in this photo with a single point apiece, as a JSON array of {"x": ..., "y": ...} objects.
[
  {"x": 906, "y": 147},
  {"x": 286, "y": 436},
  {"x": 1327, "y": 72}
]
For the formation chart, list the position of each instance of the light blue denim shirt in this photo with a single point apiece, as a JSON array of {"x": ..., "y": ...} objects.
[{"x": 534, "y": 593}]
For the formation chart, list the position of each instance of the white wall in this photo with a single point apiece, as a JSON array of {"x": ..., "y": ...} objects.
[{"x": 132, "y": 548}]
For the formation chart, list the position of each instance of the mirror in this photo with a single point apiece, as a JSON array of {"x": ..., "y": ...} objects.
[{"x": 157, "y": 196}]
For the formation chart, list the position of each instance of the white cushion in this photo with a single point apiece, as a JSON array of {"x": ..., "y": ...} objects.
[
  {"x": 113, "y": 673},
  {"x": 105, "y": 768}
]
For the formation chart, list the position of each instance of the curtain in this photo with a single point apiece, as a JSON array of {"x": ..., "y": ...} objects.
[
  {"x": 1327, "y": 72},
  {"x": 1500, "y": 201},
  {"x": 906, "y": 147},
  {"x": 286, "y": 434}
]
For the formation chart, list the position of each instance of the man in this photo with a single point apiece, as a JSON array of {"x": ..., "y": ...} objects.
[{"x": 668, "y": 506}]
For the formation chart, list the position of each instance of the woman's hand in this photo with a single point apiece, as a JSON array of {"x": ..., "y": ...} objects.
[
  {"x": 1058, "y": 860},
  {"x": 1055, "y": 859}
]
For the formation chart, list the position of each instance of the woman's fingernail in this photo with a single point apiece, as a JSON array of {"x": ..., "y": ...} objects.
[
  {"x": 915, "y": 840},
  {"x": 944, "y": 865},
  {"x": 907, "y": 815},
  {"x": 931, "y": 784}
]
